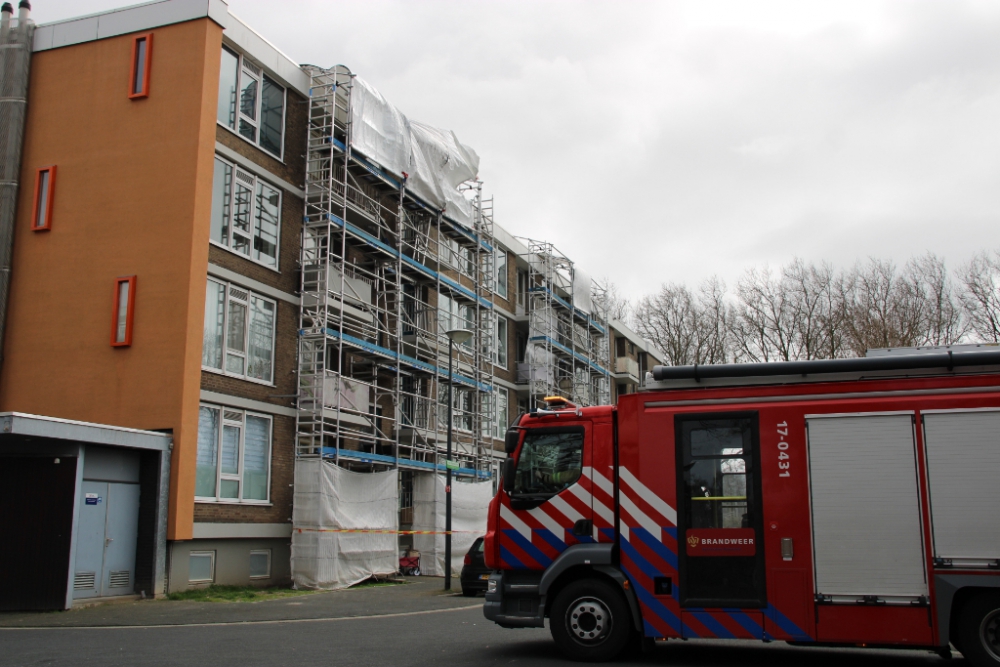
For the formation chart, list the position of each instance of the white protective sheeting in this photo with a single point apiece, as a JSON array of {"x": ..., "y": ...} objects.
[
  {"x": 583, "y": 288},
  {"x": 469, "y": 505},
  {"x": 435, "y": 160},
  {"x": 328, "y": 499}
]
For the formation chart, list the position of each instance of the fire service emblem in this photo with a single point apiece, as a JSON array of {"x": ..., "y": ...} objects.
[{"x": 692, "y": 541}]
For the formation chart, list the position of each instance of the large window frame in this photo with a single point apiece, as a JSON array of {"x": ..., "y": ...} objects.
[
  {"x": 232, "y": 338},
  {"x": 245, "y": 116},
  {"x": 228, "y": 423},
  {"x": 501, "y": 271},
  {"x": 500, "y": 354},
  {"x": 239, "y": 214}
]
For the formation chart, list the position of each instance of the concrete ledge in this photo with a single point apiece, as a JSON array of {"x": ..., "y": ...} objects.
[{"x": 204, "y": 531}]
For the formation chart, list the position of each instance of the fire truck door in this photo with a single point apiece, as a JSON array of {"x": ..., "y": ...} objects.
[{"x": 720, "y": 518}]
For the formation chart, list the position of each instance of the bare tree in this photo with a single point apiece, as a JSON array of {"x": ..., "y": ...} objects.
[
  {"x": 882, "y": 307},
  {"x": 944, "y": 321},
  {"x": 618, "y": 306},
  {"x": 689, "y": 328},
  {"x": 980, "y": 295}
]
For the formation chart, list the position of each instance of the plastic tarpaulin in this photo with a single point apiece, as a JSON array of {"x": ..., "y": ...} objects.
[
  {"x": 435, "y": 160},
  {"x": 469, "y": 507},
  {"x": 329, "y": 499}
]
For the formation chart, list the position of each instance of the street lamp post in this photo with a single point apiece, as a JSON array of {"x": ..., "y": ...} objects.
[{"x": 460, "y": 336}]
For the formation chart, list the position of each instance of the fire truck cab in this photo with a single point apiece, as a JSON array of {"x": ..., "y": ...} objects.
[{"x": 842, "y": 502}]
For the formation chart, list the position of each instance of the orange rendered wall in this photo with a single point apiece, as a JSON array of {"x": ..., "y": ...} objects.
[{"x": 132, "y": 197}]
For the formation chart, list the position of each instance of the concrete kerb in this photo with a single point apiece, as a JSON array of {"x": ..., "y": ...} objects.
[{"x": 418, "y": 595}]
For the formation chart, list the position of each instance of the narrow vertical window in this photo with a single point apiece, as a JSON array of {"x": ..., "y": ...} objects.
[
  {"x": 229, "y": 77},
  {"x": 121, "y": 324},
  {"x": 45, "y": 181},
  {"x": 141, "y": 58}
]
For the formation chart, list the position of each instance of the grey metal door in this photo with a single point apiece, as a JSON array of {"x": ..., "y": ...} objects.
[
  {"x": 118, "y": 576},
  {"x": 90, "y": 535},
  {"x": 106, "y": 537}
]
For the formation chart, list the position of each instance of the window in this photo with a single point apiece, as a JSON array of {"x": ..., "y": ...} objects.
[
  {"x": 620, "y": 347},
  {"x": 551, "y": 461},
  {"x": 45, "y": 184},
  {"x": 260, "y": 564},
  {"x": 246, "y": 214},
  {"x": 501, "y": 273},
  {"x": 234, "y": 455},
  {"x": 142, "y": 51},
  {"x": 715, "y": 473},
  {"x": 522, "y": 288},
  {"x": 251, "y": 103},
  {"x": 458, "y": 257},
  {"x": 239, "y": 332},
  {"x": 502, "y": 421},
  {"x": 201, "y": 566},
  {"x": 121, "y": 319},
  {"x": 455, "y": 315},
  {"x": 461, "y": 402},
  {"x": 501, "y": 356}
]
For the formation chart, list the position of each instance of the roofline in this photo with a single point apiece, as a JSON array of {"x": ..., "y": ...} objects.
[{"x": 19, "y": 423}]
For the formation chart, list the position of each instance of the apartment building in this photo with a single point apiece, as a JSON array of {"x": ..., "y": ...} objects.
[{"x": 280, "y": 281}]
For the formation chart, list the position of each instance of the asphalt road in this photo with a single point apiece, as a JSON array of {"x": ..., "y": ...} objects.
[{"x": 436, "y": 638}]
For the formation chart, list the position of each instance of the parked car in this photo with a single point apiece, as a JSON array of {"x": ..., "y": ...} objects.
[{"x": 474, "y": 573}]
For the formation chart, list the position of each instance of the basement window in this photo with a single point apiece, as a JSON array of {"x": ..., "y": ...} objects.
[
  {"x": 251, "y": 103},
  {"x": 142, "y": 47},
  {"x": 121, "y": 322},
  {"x": 201, "y": 567},
  {"x": 260, "y": 564},
  {"x": 45, "y": 181}
]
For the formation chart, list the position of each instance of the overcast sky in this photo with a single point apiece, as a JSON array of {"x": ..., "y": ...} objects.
[{"x": 669, "y": 141}]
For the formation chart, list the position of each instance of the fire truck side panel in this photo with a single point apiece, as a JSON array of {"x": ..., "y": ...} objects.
[
  {"x": 648, "y": 516},
  {"x": 787, "y": 538},
  {"x": 875, "y": 625}
]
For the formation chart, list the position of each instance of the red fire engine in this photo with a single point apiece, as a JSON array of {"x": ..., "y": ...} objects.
[{"x": 843, "y": 502}]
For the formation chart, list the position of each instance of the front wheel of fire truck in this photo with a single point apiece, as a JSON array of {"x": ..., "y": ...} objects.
[
  {"x": 979, "y": 630},
  {"x": 590, "y": 621}
]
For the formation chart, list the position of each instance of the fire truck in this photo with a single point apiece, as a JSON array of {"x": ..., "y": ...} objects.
[{"x": 846, "y": 502}]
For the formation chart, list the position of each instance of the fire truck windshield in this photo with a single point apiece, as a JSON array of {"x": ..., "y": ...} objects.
[{"x": 550, "y": 461}]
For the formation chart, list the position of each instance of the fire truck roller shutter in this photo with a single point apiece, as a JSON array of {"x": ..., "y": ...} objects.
[
  {"x": 963, "y": 463},
  {"x": 865, "y": 506}
]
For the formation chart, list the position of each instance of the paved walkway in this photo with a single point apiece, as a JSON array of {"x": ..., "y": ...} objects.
[{"x": 418, "y": 594}]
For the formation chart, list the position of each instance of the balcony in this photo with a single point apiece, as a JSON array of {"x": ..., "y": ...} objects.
[{"x": 627, "y": 366}]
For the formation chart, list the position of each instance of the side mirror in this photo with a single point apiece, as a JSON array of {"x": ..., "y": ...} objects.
[
  {"x": 509, "y": 465},
  {"x": 511, "y": 439}
]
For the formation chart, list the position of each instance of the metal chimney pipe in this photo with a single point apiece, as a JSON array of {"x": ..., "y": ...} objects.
[{"x": 15, "y": 60}]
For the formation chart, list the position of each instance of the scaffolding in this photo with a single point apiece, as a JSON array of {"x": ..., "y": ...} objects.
[
  {"x": 568, "y": 352},
  {"x": 385, "y": 273}
]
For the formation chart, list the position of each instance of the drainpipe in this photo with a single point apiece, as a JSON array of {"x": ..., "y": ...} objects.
[{"x": 16, "y": 37}]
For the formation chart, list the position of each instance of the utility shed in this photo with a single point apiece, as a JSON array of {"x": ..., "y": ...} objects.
[{"x": 84, "y": 511}]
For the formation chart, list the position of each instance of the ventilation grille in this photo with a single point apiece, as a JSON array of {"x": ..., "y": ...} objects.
[
  {"x": 83, "y": 581},
  {"x": 120, "y": 579},
  {"x": 231, "y": 416},
  {"x": 238, "y": 294},
  {"x": 246, "y": 178},
  {"x": 250, "y": 66}
]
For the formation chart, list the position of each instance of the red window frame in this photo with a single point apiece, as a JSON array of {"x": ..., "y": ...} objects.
[
  {"x": 47, "y": 222},
  {"x": 129, "y": 311},
  {"x": 144, "y": 92}
]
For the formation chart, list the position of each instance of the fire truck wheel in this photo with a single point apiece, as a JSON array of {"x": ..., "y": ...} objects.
[
  {"x": 590, "y": 621},
  {"x": 979, "y": 630}
]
